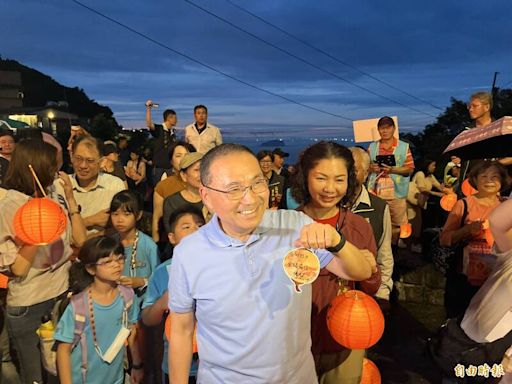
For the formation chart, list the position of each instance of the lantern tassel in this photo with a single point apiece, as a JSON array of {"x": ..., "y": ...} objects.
[{"x": 37, "y": 180}]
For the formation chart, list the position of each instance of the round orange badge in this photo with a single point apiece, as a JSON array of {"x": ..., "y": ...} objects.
[{"x": 301, "y": 266}]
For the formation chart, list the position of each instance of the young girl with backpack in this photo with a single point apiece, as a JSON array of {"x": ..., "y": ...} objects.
[
  {"x": 140, "y": 251},
  {"x": 141, "y": 255},
  {"x": 92, "y": 331}
]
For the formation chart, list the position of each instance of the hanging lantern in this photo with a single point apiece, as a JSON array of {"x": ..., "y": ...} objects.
[
  {"x": 168, "y": 333},
  {"x": 448, "y": 201},
  {"x": 371, "y": 374},
  {"x": 405, "y": 230},
  {"x": 355, "y": 320},
  {"x": 39, "y": 221},
  {"x": 467, "y": 188}
]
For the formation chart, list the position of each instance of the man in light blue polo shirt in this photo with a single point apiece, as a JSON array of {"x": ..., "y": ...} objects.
[{"x": 252, "y": 325}]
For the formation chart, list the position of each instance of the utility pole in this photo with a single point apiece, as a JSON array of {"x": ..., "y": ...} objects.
[{"x": 493, "y": 89}]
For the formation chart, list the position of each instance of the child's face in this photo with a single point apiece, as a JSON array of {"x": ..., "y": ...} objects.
[
  {"x": 109, "y": 268},
  {"x": 123, "y": 221},
  {"x": 186, "y": 225}
]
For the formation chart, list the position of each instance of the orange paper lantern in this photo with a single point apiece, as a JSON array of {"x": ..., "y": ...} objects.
[
  {"x": 448, "y": 201},
  {"x": 4, "y": 281},
  {"x": 355, "y": 320},
  {"x": 405, "y": 230},
  {"x": 168, "y": 333},
  {"x": 371, "y": 374},
  {"x": 39, "y": 221},
  {"x": 467, "y": 189}
]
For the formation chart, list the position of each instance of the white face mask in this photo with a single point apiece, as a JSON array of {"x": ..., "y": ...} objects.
[
  {"x": 116, "y": 345},
  {"x": 118, "y": 342}
]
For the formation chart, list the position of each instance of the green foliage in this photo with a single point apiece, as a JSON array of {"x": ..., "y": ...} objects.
[
  {"x": 104, "y": 128},
  {"x": 38, "y": 89}
]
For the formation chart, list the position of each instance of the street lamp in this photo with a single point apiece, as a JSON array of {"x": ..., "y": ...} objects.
[{"x": 51, "y": 115}]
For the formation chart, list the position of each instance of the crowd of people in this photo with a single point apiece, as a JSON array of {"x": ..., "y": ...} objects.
[{"x": 210, "y": 258}]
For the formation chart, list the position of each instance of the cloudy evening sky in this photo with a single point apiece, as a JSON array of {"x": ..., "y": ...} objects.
[{"x": 431, "y": 50}]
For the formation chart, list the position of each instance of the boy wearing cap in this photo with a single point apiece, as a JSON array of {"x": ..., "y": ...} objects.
[
  {"x": 189, "y": 172},
  {"x": 278, "y": 164}
]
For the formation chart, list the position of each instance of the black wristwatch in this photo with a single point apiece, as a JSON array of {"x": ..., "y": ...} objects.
[{"x": 338, "y": 246}]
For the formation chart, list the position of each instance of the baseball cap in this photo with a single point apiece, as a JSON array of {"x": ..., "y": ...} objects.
[
  {"x": 189, "y": 159},
  {"x": 280, "y": 152}
]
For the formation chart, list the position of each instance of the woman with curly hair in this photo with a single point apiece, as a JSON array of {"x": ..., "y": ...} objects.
[{"x": 325, "y": 185}]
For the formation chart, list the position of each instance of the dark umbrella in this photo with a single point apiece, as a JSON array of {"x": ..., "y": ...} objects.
[{"x": 493, "y": 140}]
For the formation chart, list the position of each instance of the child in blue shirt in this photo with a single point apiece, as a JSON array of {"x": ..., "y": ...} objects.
[
  {"x": 96, "y": 273},
  {"x": 182, "y": 222},
  {"x": 140, "y": 250}
]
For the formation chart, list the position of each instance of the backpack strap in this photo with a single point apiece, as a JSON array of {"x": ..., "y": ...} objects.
[
  {"x": 79, "y": 305},
  {"x": 465, "y": 212},
  {"x": 127, "y": 294}
]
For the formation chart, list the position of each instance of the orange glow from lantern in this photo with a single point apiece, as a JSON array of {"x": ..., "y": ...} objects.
[
  {"x": 448, "y": 201},
  {"x": 355, "y": 320},
  {"x": 168, "y": 333},
  {"x": 405, "y": 230},
  {"x": 40, "y": 221}
]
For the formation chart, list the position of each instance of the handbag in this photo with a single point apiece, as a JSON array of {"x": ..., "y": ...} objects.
[
  {"x": 442, "y": 257},
  {"x": 450, "y": 346}
]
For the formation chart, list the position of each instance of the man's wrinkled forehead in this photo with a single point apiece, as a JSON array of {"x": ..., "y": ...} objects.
[{"x": 228, "y": 168}]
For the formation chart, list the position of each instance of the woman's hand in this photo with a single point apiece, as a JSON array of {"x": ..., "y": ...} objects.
[
  {"x": 375, "y": 168},
  {"x": 132, "y": 282},
  {"x": 474, "y": 228},
  {"x": 507, "y": 364}
]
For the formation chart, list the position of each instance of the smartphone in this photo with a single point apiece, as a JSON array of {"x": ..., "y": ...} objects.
[{"x": 386, "y": 159}]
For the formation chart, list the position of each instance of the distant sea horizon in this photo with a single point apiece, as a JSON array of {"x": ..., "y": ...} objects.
[{"x": 293, "y": 145}]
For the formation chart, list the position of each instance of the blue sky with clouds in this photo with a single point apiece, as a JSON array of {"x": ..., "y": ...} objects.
[{"x": 434, "y": 50}]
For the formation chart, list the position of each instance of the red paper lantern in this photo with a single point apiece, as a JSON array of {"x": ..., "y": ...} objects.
[
  {"x": 371, "y": 374},
  {"x": 355, "y": 320},
  {"x": 39, "y": 221},
  {"x": 168, "y": 333}
]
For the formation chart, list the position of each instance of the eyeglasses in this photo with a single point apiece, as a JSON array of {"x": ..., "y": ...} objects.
[
  {"x": 111, "y": 261},
  {"x": 238, "y": 192},
  {"x": 80, "y": 160},
  {"x": 265, "y": 162}
]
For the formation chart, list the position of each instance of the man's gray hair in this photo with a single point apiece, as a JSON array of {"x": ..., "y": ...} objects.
[
  {"x": 215, "y": 153},
  {"x": 364, "y": 157}
]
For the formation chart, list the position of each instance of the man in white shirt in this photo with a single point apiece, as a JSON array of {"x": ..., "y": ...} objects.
[
  {"x": 202, "y": 135},
  {"x": 93, "y": 190}
]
